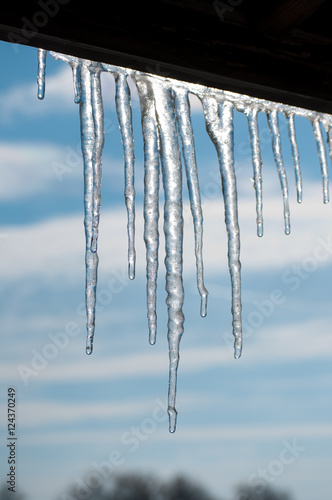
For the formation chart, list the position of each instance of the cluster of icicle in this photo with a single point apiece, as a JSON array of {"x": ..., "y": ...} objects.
[{"x": 166, "y": 122}]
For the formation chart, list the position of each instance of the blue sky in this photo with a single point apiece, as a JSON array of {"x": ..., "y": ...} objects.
[{"x": 264, "y": 419}]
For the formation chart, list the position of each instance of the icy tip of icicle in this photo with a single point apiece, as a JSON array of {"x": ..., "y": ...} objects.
[
  {"x": 41, "y": 91},
  {"x": 172, "y": 415},
  {"x": 152, "y": 335},
  {"x": 204, "y": 305},
  {"x": 299, "y": 196},
  {"x": 326, "y": 196},
  {"x": 260, "y": 230},
  {"x": 89, "y": 346},
  {"x": 41, "y": 73},
  {"x": 131, "y": 270},
  {"x": 287, "y": 224}
]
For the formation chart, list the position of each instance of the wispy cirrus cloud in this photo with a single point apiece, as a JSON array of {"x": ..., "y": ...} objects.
[
  {"x": 26, "y": 168},
  {"x": 289, "y": 344},
  {"x": 311, "y": 229},
  {"x": 21, "y": 99}
]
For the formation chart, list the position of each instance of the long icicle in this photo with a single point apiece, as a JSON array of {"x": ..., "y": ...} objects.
[
  {"x": 272, "y": 116},
  {"x": 328, "y": 129},
  {"x": 219, "y": 125},
  {"x": 98, "y": 119},
  {"x": 252, "y": 113},
  {"x": 329, "y": 139},
  {"x": 88, "y": 142},
  {"x": 173, "y": 228},
  {"x": 151, "y": 199},
  {"x": 42, "y": 54},
  {"x": 322, "y": 158},
  {"x": 295, "y": 155},
  {"x": 182, "y": 109},
  {"x": 123, "y": 108}
]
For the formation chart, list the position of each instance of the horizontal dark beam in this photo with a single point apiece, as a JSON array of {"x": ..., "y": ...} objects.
[
  {"x": 287, "y": 15},
  {"x": 198, "y": 41}
]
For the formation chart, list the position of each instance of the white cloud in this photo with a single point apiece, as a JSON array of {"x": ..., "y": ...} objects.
[
  {"x": 36, "y": 168},
  {"x": 192, "y": 434},
  {"x": 308, "y": 431},
  {"x": 26, "y": 168},
  {"x": 55, "y": 247},
  {"x": 39, "y": 412},
  {"x": 22, "y": 99},
  {"x": 289, "y": 344}
]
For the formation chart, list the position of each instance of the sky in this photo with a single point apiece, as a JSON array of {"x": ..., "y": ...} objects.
[{"x": 264, "y": 420}]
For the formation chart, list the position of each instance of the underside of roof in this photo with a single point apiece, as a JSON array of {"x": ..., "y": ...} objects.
[{"x": 281, "y": 51}]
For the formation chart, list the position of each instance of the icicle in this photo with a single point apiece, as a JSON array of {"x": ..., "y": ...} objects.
[
  {"x": 173, "y": 228},
  {"x": 163, "y": 103},
  {"x": 151, "y": 199},
  {"x": 92, "y": 132},
  {"x": 220, "y": 130},
  {"x": 295, "y": 155},
  {"x": 329, "y": 140},
  {"x": 98, "y": 119},
  {"x": 75, "y": 63},
  {"x": 76, "y": 69},
  {"x": 182, "y": 109},
  {"x": 252, "y": 113},
  {"x": 322, "y": 158},
  {"x": 42, "y": 54},
  {"x": 276, "y": 147},
  {"x": 123, "y": 107}
]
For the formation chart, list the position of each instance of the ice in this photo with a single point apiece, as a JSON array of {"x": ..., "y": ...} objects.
[
  {"x": 252, "y": 113},
  {"x": 219, "y": 125},
  {"x": 329, "y": 139},
  {"x": 123, "y": 108},
  {"x": 76, "y": 69},
  {"x": 322, "y": 158},
  {"x": 151, "y": 198},
  {"x": 42, "y": 54},
  {"x": 87, "y": 88},
  {"x": 166, "y": 124},
  {"x": 295, "y": 155},
  {"x": 276, "y": 147},
  {"x": 98, "y": 120},
  {"x": 182, "y": 109},
  {"x": 173, "y": 229},
  {"x": 92, "y": 132}
]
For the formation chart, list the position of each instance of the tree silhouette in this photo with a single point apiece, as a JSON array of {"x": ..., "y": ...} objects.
[
  {"x": 145, "y": 487},
  {"x": 258, "y": 493},
  {"x": 182, "y": 488},
  {"x": 133, "y": 487},
  {"x": 9, "y": 495}
]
